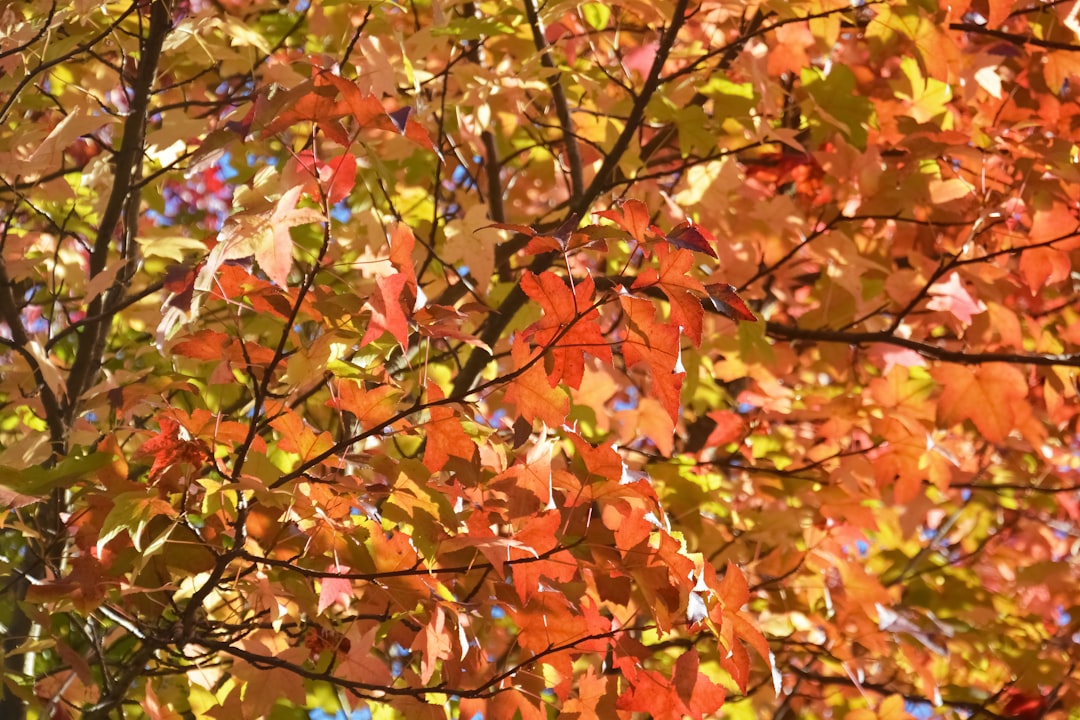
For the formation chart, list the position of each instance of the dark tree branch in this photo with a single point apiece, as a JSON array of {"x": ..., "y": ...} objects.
[
  {"x": 558, "y": 97},
  {"x": 884, "y": 689},
  {"x": 933, "y": 352},
  {"x": 123, "y": 196},
  {"x": 1014, "y": 38},
  {"x": 495, "y": 323}
]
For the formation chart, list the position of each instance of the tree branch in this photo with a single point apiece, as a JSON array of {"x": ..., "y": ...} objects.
[
  {"x": 496, "y": 322},
  {"x": 934, "y": 352},
  {"x": 127, "y": 162},
  {"x": 558, "y": 97},
  {"x": 1014, "y": 38}
]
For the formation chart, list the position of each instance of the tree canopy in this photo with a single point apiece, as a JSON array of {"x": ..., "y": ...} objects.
[{"x": 516, "y": 359}]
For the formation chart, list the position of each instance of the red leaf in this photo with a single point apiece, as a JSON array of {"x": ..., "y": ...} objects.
[
  {"x": 386, "y": 310},
  {"x": 633, "y": 217},
  {"x": 1021, "y": 706},
  {"x": 689, "y": 236},
  {"x": 204, "y": 345},
  {"x": 733, "y": 588},
  {"x": 563, "y": 308},
  {"x": 531, "y": 577},
  {"x": 730, "y": 427},
  {"x": 446, "y": 437},
  {"x": 657, "y": 345},
  {"x": 339, "y": 177},
  {"x": 308, "y": 102},
  {"x": 367, "y": 110},
  {"x": 533, "y": 395},
  {"x": 700, "y": 694},
  {"x": 169, "y": 448},
  {"x": 335, "y": 589},
  {"x": 334, "y": 177},
  {"x": 540, "y": 244},
  {"x": 727, "y": 301},
  {"x": 674, "y": 279},
  {"x": 600, "y": 460},
  {"x": 689, "y": 692}
]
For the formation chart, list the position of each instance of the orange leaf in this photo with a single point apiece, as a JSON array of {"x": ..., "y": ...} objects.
[
  {"x": 387, "y": 313},
  {"x": 533, "y": 395},
  {"x": 657, "y": 345},
  {"x": 674, "y": 279},
  {"x": 370, "y": 407},
  {"x": 569, "y": 317},
  {"x": 633, "y": 217},
  {"x": 991, "y": 396},
  {"x": 446, "y": 437}
]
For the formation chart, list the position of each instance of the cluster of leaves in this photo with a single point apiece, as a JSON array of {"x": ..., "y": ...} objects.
[{"x": 585, "y": 359}]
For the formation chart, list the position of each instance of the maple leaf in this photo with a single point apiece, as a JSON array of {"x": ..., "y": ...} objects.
[
  {"x": 311, "y": 101},
  {"x": 570, "y": 325},
  {"x": 730, "y": 427},
  {"x": 992, "y": 396},
  {"x": 727, "y": 301},
  {"x": 445, "y": 436},
  {"x": 435, "y": 643},
  {"x": 534, "y": 396},
  {"x": 171, "y": 446},
  {"x": 371, "y": 408},
  {"x": 402, "y": 241},
  {"x": 334, "y": 177},
  {"x": 848, "y": 481},
  {"x": 689, "y": 692},
  {"x": 387, "y": 313},
  {"x": 674, "y": 279},
  {"x": 633, "y": 217},
  {"x": 297, "y": 437},
  {"x": 657, "y": 345},
  {"x": 334, "y": 590},
  {"x": 951, "y": 296},
  {"x": 264, "y": 235},
  {"x": 690, "y": 236}
]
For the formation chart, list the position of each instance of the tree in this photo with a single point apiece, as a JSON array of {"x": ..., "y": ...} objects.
[{"x": 580, "y": 359}]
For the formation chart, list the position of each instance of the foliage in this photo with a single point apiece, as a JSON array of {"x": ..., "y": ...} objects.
[{"x": 578, "y": 359}]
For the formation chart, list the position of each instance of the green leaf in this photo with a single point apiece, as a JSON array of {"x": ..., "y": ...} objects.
[
  {"x": 38, "y": 481},
  {"x": 837, "y": 104},
  {"x": 132, "y": 512},
  {"x": 597, "y": 15}
]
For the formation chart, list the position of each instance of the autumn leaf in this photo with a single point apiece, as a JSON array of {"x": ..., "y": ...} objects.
[
  {"x": 532, "y": 394},
  {"x": 334, "y": 590},
  {"x": 992, "y": 396},
  {"x": 951, "y": 296},
  {"x": 689, "y": 236},
  {"x": 656, "y": 345},
  {"x": 315, "y": 392},
  {"x": 445, "y": 437},
  {"x": 633, "y": 217},
  {"x": 570, "y": 326},
  {"x": 264, "y": 235},
  {"x": 726, "y": 300},
  {"x": 680, "y": 286},
  {"x": 371, "y": 407},
  {"x": 387, "y": 313}
]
